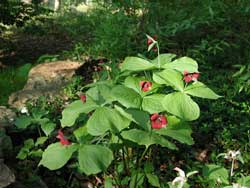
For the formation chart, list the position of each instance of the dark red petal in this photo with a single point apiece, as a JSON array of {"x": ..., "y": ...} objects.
[
  {"x": 145, "y": 85},
  {"x": 196, "y": 75},
  {"x": 83, "y": 98},
  {"x": 154, "y": 116},
  {"x": 164, "y": 120},
  {"x": 65, "y": 142},
  {"x": 142, "y": 83},
  {"x": 156, "y": 125},
  {"x": 185, "y": 72},
  {"x": 188, "y": 78}
]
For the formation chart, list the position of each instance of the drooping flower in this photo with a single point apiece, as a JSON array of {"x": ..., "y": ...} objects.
[
  {"x": 182, "y": 178},
  {"x": 83, "y": 98},
  {"x": 145, "y": 85},
  {"x": 150, "y": 41},
  {"x": 62, "y": 139},
  {"x": 188, "y": 77},
  {"x": 233, "y": 156},
  {"x": 158, "y": 121}
]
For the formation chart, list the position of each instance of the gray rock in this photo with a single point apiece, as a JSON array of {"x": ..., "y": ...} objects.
[
  {"x": 45, "y": 79},
  {"x": 6, "y": 175},
  {"x": 7, "y": 117}
]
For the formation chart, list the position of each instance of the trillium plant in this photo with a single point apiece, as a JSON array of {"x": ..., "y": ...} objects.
[{"x": 149, "y": 104}]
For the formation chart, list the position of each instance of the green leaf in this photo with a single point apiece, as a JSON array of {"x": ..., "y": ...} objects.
[
  {"x": 153, "y": 103},
  {"x": 164, "y": 59},
  {"x": 104, "y": 119},
  {"x": 36, "y": 153},
  {"x": 140, "y": 117},
  {"x": 48, "y": 127},
  {"x": 126, "y": 96},
  {"x": 23, "y": 122},
  {"x": 23, "y": 153},
  {"x": 29, "y": 143},
  {"x": 94, "y": 158},
  {"x": 57, "y": 155},
  {"x": 136, "y": 64},
  {"x": 153, "y": 180},
  {"x": 137, "y": 180},
  {"x": 217, "y": 173},
  {"x": 244, "y": 181},
  {"x": 41, "y": 140},
  {"x": 104, "y": 90},
  {"x": 108, "y": 182},
  {"x": 177, "y": 130},
  {"x": 169, "y": 77},
  {"x": 82, "y": 135},
  {"x": 181, "y": 105},
  {"x": 94, "y": 95},
  {"x": 199, "y": 89},
  {"x": 72, "y": 112},
  {"x": 134, "y": 83},
  {"x": 183, "y": 64},
  {"x": 146, "y": 138}
]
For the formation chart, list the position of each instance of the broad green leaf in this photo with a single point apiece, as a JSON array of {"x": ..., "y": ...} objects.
[
  {"x": 153, "y": 180},
  {"x": 57, "y": 155},
  {"x": 94, "y": 158},
  {"x": 94, "y": 95},
  {"x": 29, "y": 143},
  {"x": 36, "y": 153},
  {"x": 23, "y": 122},
  {"x": 104, "y": 119},
  {"x": 183, "y": 64},
  {"x": 139, "y": 117},
  {"x": 199, "y": 89},
  {"x": 181, "y": 105},
  {"x": 136, "y": 64},
  {"x": 164, "y": 59},
  {"x": 48, "y": 127},
  {"x": 23, "y": 153},
  {"x": 153, "y": 103},
  {"x": 146, "y": 138},
  {"x": 177, "y": 130},
  {"x": 41, "y": 140},
  {"x": 134, "y": 83},
  {"x": 169, "y": 77},
  {"x": 126, "y": 96},
  {"x": 72, "y": 112},
  {"x": 82, "y": 135},
  {"x": 104, "y": 90},
  {"x": 217, "y": 173}
]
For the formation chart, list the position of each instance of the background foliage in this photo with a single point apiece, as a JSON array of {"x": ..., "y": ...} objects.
[{"x": 214, "y": 33}]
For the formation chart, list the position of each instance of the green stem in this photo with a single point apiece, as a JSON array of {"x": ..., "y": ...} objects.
[
  {"x": 158, "y": 53},
  {"x": 139, "y": 164}
]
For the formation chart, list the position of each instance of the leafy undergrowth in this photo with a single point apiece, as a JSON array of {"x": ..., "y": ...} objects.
[{"x": 215, "y": 34}]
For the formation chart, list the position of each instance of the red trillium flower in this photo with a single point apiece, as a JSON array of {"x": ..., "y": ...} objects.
[
  {"x": 188, "y": 77},
  {"x": 83, "y": 98},
  {"x": 158, "y": 121},
  {"x": 62, "y": 139},
  {"x": 145, "y": 85}
]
